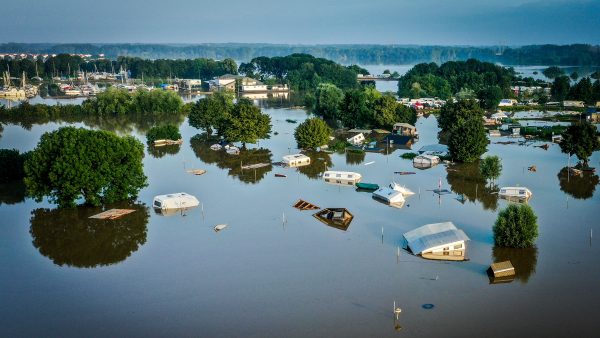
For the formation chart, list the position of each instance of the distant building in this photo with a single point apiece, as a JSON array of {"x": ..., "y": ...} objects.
[
  {"x": 507, "y": 103},
  {"x": 357, "y": 139},
  {"x": 574, "y": 104},
  {"x": 404, "y": 129}
]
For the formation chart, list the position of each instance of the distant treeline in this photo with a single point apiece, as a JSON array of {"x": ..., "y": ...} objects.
[
  {"x": 68, "y": 65},
  {"x": 565, "y": 55},
  {"x": 302, "y": 71}
]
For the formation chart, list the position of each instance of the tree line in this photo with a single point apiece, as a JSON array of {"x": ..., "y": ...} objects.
[{"x": 574, "y": 54}]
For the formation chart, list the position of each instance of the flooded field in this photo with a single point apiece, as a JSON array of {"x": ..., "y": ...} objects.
[{"x": 277, "y": 271}]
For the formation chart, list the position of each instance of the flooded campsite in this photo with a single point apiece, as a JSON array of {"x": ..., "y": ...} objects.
[{"x": 245, "y": 261}]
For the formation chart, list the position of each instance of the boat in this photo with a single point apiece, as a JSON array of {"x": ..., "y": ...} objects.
[
  {"x": 338, "y": 218},
  {"x": 296, "y": 160},
  {"x": 180, "y": 200},
  {"x": 367, "y": 186},
  {"x": 515, "y": 192},
  {"x": 342, "y": 177},
  {"x": 220, "y": 227},
  {"x": 389, "y": 195},
  {"x": 401, "y": 189},
  {"x": 280, "y": 175}
]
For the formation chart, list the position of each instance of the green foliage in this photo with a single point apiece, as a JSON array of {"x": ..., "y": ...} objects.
[
  {"x": 574, "y": 76},
  {"x": 580, "y": 139},
  {"x": 468, "y": 140},
  {"x": 553, "y": 72},
  {"x": 516, "y": 227},
  {"x": 211, "y": 112},
  {"x": 246, "y": 123},
  {"x": 583, "y": 91},
  {"x": 429, "y": 79},
  {"x": 354, "y": 111},
  {"x": 490, "y": 167},
  {"x": 168, "y": 132},
  {"x": 328, "y": 100},
  {"x": 115, "y": 101},
  {"x": 312, "y": 133},
  {"x": 455, "y": 113},
  {"x": 11, "y": 165},
  {"x": 490, "y": 97},
  {"x": 98, "y": 166},
  {"x": 560, "y": 88},
  {"x": 409, "y": 156}
]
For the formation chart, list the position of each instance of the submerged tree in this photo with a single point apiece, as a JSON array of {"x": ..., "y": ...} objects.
[
  {"x": 516, "y": 227},
  {"x": 211, "y": 113},
  {"x": 98, "y": 166},
  {"x": 468, "y": 140},
  {"x": 168, "y": 132},
  {"x": 490, "y": 168},
  {"x": 580, "y": 139},
  {"x": 246, "y": 123},
  {"x": 312, "y": 133},
  {"x": 328, "y": 99}
]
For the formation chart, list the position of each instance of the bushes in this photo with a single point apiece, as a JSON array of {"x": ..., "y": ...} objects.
[
  {"x": 490, "y": 167},
  {"x": 168, "y": 132},
  {"x": 312, "y": 133},
  {"x": 516, "y": 227}
]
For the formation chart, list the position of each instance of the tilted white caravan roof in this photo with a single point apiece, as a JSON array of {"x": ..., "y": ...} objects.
[{"x": 433, "y": 235}]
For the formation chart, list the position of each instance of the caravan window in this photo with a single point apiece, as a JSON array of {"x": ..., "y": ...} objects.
[
  {"x": 157, "y": 204},
  {"x": 521, "y": 192}
]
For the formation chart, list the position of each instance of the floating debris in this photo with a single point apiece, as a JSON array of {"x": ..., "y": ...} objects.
[
  {"x": 428, "y": 306},
  {"x": 501, "y": 272},
  {"x": 166, "y": 142},
  {"x": 112, "y": 213},
  {"x": 369, "y": 163},
  {"x": 338, "y": 218},
  {"x": 543, "y": 146},
  {"x": 220, "y": 227},
  {"x": 532, "y": 168},
  {"x": 256, "y": 166},
  {"x": 404, "y": 172},
  {"x": 304, "y": 205},
  {"x": 280, "y": 175},
  {"x": 197, "y": 172}
]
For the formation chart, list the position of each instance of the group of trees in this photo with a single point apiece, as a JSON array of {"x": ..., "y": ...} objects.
[
  {"x": 69, "y": 65},
  {"x": 584, "y": 90},
  {"x": 99, "y": 167},
  {"x": 487, "y": 81},
  {"x": 11, "y": 165},
  {"x": 580, "y": 139},
  {"x": 166, "y": 132},
  {"x": 312, "y": 133},
  {"x": 301, "y": 71},
  {"x": 360, "y": 107},
  {"x": 237, "y": 122},
  {"x": 462, "y": 123}
]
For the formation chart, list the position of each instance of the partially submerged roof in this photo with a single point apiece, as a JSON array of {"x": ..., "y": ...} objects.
[
  {"x": 404, "y": 125},
  {"x": 434, "y": 148},
  {"x": 433, "y": 235},
  {"x": 502, "y": 269}
]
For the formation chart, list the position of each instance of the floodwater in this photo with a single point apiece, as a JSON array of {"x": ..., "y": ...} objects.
[{"x": 277, "y": 271}]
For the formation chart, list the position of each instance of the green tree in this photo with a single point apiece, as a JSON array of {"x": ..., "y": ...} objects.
[
  {"x": 468, "y": 140},
  {"x": 328, "y": 101},
  {"x": 583, "y": 91},
  {"x": 516, "y": 227},
  {"x": 455, "y": 113},
  {"x": 98, "y": 166},
  {"x": 574, "y": 76},
  {"x": 168, "y": 132},
  {"x": 246, "y": 123},
  {"x": 580, "y": 139},
  {"x": 354, "y": 111},
  {"x": 560, "y": 88},
  {"x": 212, "y": 112},
  {"x": 553, "y": 72},
  {"x": 312, "y": 133},
  {"x": 490, "y": 97},
  {"x": 385, "y": 112},
  {"x": 490, "y": 167}
]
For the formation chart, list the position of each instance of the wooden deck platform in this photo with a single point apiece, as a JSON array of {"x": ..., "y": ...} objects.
[
  {"x": 112, "y": 213},
  {"x": 502, "y": 269},
  {"x": 304, "y": 205}
]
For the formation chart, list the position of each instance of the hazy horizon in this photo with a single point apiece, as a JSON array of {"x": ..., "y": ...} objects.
[{"x": 310, "y": 22}]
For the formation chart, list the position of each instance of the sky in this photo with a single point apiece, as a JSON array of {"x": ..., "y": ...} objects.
[{"x": 422, "y": 22}]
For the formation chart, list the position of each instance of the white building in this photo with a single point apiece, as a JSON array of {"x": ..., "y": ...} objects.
[
  {"x": 507, "y": 103},
  {"x": 577, "y": 104},
  {"x": 437, "y": 241},
  {"x": 296, "y": 160},
  {"x": 342, "y": 177},
  {"x": 425, "y": 161}
]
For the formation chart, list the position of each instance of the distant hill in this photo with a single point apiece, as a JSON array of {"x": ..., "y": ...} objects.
[{"x": 567, "y": 55}]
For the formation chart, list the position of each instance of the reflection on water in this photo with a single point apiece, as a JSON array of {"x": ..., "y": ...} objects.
[
  {"x": 158, "y": 152},
  {"x": 12, "y": 192},
  {"x": 319, "y": 162},
  {"x": 580, "y": 187},
  {"x": 69, "y": 237},
  {"x": 466, "y": 180},
  {"x": 523, "y": 260},
  {"x": 354, "y": 157},
  {"x": 201, "y": 147}
]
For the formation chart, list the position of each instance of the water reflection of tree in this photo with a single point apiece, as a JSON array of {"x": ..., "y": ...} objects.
[
  {"x": 319, "y": 162},
  {"x": 158, "y": 152},
  {"x": 580, "y": 187},
  {"x": 12, "y": 192},
  {"x": 466, "y": 180},
  {"x": 69, "y": 237},
  {"x": 221, "y": 159},
  {"x": 355, "y": 157},
  {"x": 523, "y": 260}
]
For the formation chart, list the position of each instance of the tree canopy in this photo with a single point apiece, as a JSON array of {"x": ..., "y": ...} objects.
[
  {"x": 75, "y": 163},
  {"x": 168, "y": 132},
  {"x": 516, "y": 227},
  {"x": 212, "y": 112},
  {"x": 468, "y": 140},
  {"x": 328, "y": 99},
  {"x": 246, "y": 123},
  {"x": 312, "y": 133},
  {"x": 11, "y": 165},
  {"x": 490, "y": 167},
  {"x": 455, "y": 113},
  {"x": 580, "y": 139},
  {"x": 553, "y": 72}
]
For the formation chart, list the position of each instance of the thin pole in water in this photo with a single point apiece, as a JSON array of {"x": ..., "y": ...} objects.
[{"x": 381, "y": 235}]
